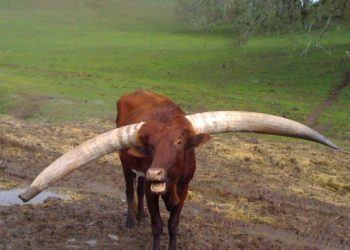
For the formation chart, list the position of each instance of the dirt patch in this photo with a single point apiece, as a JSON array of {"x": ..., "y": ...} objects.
[
  {"x": 332, "y": 97},
  {"x": 48, "y": 72},
  {"x": 247, "y": 193},
  {"x": 27, "y": 106}
]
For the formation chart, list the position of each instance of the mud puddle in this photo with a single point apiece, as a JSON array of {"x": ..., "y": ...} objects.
[{"x": 10, "y": 197}]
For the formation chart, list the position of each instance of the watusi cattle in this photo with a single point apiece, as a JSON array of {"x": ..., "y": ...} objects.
[{"x": 156, "y": 142}]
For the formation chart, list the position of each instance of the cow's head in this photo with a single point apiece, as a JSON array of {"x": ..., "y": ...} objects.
[
  {"x": 165, "y": 144},
  {"x": 168, "y": 143}
]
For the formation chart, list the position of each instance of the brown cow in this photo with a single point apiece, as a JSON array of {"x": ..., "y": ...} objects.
[
  {"x": 165, "y": 154},
  {"x": 156, "y": 140}
]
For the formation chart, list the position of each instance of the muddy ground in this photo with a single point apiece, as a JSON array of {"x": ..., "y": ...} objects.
[{"x": 249, "y": 192}]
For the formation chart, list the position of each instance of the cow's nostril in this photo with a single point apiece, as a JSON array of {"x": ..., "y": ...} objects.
[
  {"x": 155, "y": 174},
  {"x": 158, "y": 172}
]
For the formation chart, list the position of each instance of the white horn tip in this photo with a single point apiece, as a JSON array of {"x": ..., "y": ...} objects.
[
  {"x": 29, "y": 194},
  {"x": 335, "y": 147}
]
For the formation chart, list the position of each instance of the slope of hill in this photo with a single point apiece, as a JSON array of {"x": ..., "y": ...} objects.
[{"x": 63, "y": 58}]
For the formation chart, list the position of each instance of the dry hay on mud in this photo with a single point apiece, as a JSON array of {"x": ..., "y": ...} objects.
[{"x": 248, "y": 192}]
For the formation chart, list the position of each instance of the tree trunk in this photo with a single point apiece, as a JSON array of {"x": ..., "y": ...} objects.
[
  {"x": 343, "y": 8},
  {"x": 304, "y": 11}
]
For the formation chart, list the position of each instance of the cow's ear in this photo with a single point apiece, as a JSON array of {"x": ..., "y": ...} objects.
[
  {"x": 198, "y": 140},
  {"x": 138, "y": 152}
]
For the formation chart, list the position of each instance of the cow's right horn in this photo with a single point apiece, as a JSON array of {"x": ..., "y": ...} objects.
[{"x": 108, "y": 142}]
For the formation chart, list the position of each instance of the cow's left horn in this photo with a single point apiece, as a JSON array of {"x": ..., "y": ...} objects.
[
  {"x": 102, "y": 144},
  {"x": 238, "y": 121}
]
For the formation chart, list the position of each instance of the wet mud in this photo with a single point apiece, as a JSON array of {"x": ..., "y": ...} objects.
[{"x": 249, "y": 192}]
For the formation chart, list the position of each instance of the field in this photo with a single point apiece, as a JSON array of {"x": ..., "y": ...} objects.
[
  {"x": 63, "y": 66},
  {"x": 60, "y": 59}
]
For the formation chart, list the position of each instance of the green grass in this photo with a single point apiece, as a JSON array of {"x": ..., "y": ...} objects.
[{"x": 71, "y": 60}]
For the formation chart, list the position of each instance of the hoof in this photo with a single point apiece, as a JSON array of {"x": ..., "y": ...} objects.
[
  {"x": 130, "y": 223},
  {"x": 141, "y": 217}
]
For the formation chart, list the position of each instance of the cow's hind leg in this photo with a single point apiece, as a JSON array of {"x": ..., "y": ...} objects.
[{"x": 140, "y": 195}]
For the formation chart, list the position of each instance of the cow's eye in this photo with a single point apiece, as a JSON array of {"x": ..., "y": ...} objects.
[{"x": 178, "y": 142}]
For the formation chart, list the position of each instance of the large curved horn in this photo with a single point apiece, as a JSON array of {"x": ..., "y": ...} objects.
[
  {"x": 102, "y": 144},
  {"x": 239, "y": 121}
]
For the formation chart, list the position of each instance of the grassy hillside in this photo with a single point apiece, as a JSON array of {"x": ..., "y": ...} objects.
[{"x": 71, "y": 60}]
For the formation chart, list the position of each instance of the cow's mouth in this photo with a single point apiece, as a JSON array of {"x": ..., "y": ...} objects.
[{"x": 158, "y": 187}]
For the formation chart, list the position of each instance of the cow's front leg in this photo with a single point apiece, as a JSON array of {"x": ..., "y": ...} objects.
[
  {"x": 156, "y": 220},
  {"x": 129, "y": 180},
  {"x": 174, "y": 219}
]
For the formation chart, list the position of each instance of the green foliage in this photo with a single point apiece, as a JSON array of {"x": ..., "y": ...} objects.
[{"x": 246, "y": 17}]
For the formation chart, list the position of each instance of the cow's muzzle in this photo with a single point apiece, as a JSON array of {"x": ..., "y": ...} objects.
[{"x": 157, "y": 178}]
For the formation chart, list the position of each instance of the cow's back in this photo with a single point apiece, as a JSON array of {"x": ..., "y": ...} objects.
[{"x": 145, "y": 106}]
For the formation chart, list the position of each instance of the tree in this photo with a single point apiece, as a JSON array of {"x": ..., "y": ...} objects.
[{"x": 261, "y": 15}]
